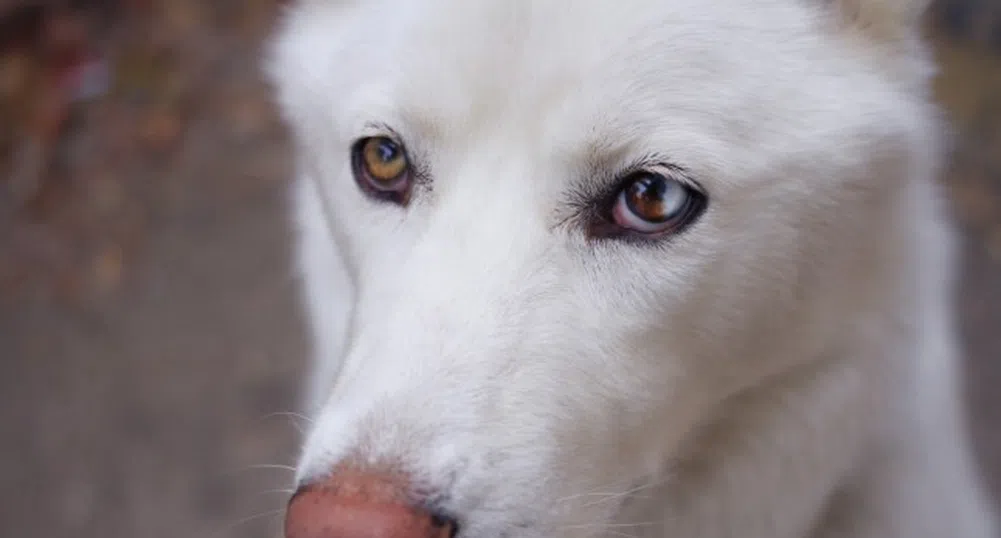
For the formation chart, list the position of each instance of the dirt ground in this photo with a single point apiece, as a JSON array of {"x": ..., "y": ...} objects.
[{"x": 149, "y": 332}]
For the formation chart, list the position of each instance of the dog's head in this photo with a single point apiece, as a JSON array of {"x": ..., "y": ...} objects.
[{"x": 573, "y": 228}]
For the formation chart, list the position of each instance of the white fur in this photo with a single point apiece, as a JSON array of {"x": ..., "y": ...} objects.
[{"x": 784, "y": 369}]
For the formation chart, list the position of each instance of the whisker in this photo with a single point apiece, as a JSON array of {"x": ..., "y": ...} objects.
[
  {"x": 289, "y": 415},
  {"x": 230, "y": 527},
  {"x": 603, "y": 526},
  {"x": 293, "y": 418},
  {"x": 280, "y": 467},
  {"x": 611, "y": 496},
  {"x": 233, "y": 472},
  {"x": 597, "y": 494},
  {"x": 282, "y": 491},
  {"x": 589, "y": 494},
  {"x": 620, "y": 534},
  {"x": 628, "y": 492}
]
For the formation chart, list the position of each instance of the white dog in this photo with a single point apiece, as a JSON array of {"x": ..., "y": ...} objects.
[{"x": 659, "y": 268}]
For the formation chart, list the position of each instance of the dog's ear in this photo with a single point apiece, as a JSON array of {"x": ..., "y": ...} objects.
[{"x": 885, "y": 18}]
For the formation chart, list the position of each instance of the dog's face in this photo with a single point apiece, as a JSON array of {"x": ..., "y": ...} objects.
[{"x": 574, "y": 228}]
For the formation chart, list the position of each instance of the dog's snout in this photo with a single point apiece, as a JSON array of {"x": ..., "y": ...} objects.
[{"x": 351, "y": 504}]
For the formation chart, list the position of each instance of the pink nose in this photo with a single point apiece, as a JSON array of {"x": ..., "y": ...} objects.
[{"x": 352, "y": 504}]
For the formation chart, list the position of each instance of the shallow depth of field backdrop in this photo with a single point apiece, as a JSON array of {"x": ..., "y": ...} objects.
[{"x": 148, "y": 324}]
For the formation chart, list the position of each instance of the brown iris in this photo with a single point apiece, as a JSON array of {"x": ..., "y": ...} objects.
[
  {"x": 382, "y": 169},
  {"x": 384, "y": 159},
  {"x": 652, "y": 203},
  {"x": 647, "y": 198}
]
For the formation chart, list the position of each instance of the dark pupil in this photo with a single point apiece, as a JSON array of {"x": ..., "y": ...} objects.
[
  {"x": 646, "y": 198},
  {"x": 388, "y": 151}
]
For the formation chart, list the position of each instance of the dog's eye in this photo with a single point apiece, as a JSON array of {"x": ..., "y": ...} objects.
[
  {"x": 651, "y": 203},
  {"x": 382, "y": 168}
]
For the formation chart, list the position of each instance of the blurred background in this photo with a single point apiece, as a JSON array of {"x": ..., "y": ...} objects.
[{"x": 150, "y": 339}]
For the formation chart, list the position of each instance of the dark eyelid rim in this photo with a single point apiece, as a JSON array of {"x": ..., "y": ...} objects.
[
  {"x": 419, "y": 171},
  {"x": 592, "y": 201},
  {"x": 606, "y": 179},
  {"x": 377, "y": 128}
]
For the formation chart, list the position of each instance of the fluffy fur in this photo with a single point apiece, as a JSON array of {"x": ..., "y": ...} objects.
[{"x": 786, "y": 368}]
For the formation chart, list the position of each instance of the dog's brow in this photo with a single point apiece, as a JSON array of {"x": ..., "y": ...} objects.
[{"x": 602, "y": 161}]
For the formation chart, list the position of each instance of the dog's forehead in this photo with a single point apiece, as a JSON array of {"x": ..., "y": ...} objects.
[
  {"x": 568, "y": 76},
  {"x": 458, "y": 60}
]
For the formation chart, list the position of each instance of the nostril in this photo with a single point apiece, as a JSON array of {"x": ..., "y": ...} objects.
[{"x": 441, "y": 521}]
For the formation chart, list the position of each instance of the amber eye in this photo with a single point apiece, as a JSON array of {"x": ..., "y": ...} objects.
[
  {"x": 382, "y": 168},
  {"x": 652, "y": 203}
]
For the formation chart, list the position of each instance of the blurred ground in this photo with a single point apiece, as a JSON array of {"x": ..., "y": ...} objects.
[{"x": 148, "y": 326}]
